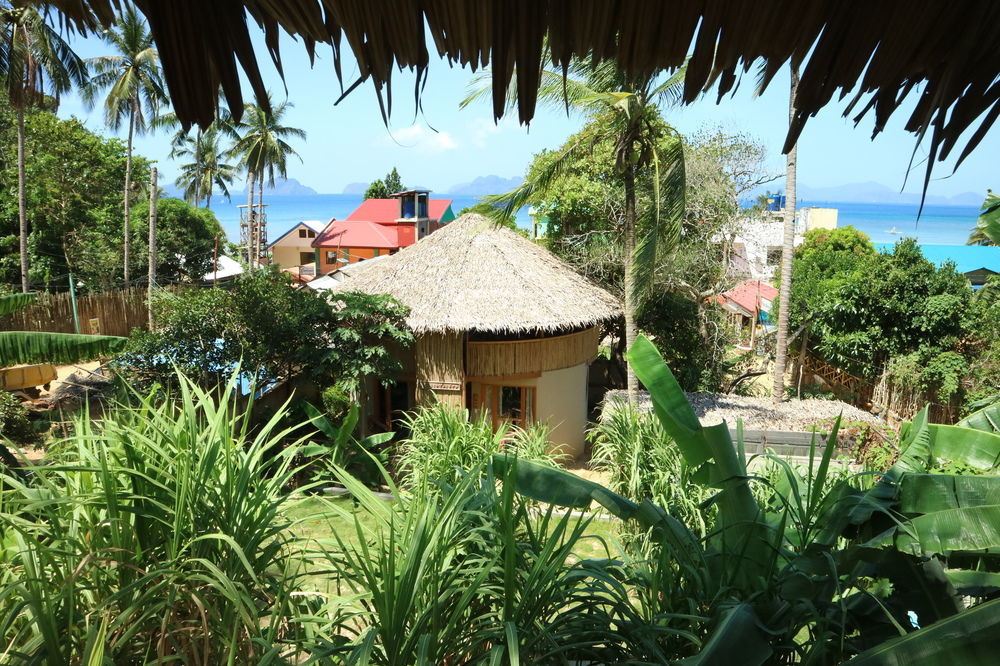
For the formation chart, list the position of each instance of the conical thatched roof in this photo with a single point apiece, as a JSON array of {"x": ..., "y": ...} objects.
[{"x": 471, "y": 275}]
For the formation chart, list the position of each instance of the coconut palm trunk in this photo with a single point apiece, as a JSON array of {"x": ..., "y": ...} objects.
[
  {"x": 22, "y": 200},
  {"x": 250, "y": 223},
  {"x": 787, "y": 247},
  {"x": 128, "y": 190},
  {"x": 630, "y": 328}
]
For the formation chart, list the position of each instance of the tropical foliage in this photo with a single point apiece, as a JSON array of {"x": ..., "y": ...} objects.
[
  {"x": 987, "y": 229},
  {"x": 871, "y": 312},
  {"x": 134, "y": 91},
  {"x": 381, "y": 188}
]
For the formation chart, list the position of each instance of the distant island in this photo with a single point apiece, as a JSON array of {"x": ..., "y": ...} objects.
[
  {"x": 491, "y": 184},
  {"x": 872, "y": 192},
  {"x": 355, "y": 188},
  {"x": 283, "y": 187}
]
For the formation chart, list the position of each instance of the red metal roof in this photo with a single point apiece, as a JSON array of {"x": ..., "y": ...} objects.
[
  {"x": 386, "y": 211},
  {"x": 748, "y": 293},
  {"x": 358, "y": 233}
]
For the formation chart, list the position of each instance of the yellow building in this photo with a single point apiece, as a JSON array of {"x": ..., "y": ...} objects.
[
  {"x": 294, "y": 247},
  {"x": 502, "y": 327}
]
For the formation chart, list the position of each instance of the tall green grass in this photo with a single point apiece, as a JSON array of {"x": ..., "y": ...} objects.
[
  {"x": 642, "y": 462},
  {"x": 444, "y": 443},
  {"x": 158, "y": 535}
]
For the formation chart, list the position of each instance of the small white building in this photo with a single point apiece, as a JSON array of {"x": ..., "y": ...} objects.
[
  {"x": 762, "y": 237},
  {"x": 294, "y": 247}
]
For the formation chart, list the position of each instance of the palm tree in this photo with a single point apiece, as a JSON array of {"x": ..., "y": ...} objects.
[
  {"x": 34, "y": 61},
  {"x": 787, "y": 247},
  {"x": 634, "y": 105},
  {"x": 135, "y": 91},
  {"x": 207, "y": 169},
  {"x": 263, "y": 151}
]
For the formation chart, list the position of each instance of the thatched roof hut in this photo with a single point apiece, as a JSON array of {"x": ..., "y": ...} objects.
[
  {"x": 472, "y": 275},
  {"x": 503, "y": 328},
  {"x": 877, "y": 55}
]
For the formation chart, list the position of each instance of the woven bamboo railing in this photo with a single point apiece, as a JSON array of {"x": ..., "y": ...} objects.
[{"x": 518, "y": 357}]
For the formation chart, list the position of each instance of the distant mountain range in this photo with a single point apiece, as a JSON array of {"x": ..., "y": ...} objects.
[
  {"x": 283, "y": 187},
  {"x": 491, "y": 184},
  {"x": 872, "y": 192}
]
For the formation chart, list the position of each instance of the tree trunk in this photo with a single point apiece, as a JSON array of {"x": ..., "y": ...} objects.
[
  {"x": 249, "y": 231},
  {"x": 153, "y": 202},
  {"x": 22, "y": 200},
  {"x": 788, "y": 245},
  {"x": 261, "y": 220},
  {"x": 630, "y": 328},
  {"x": 802, "y": 362},
  {"x": 128, "y": 192}
]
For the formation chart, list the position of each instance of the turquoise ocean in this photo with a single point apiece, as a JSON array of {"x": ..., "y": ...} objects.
[{"x": 945, "y": 225}]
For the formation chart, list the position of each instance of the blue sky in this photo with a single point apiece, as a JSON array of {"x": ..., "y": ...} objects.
[{"x": 443, "y": 145}]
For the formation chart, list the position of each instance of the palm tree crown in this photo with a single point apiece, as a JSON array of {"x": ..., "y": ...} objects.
[
  {"x": 206, "y": 168},
  {"x": 635, "y": 129},
  {"x": 135, "y": 92},
  {"x": 131, "y": 76},
  {"x": 262, "y": 147}
]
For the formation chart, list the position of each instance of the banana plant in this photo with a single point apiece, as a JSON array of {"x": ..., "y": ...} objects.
[
  {"x": 807, "y": 563},
  {"x": 342, "y": 448},
  {"x": 43, "y": 347}
]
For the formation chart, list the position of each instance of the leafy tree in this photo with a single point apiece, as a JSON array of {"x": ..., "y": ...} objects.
[
  {"x": 382, "y": 188},
  {"x": 185, "y": 238},
  {"x": 646, "y": 151},
  {"x": 393, "y": 183},
  {"x": 135, "y": 91},
  {"x": 370, "y": 331},
  {"x": 266, "y": 326},
  {"x": 377, "y": 190},
  {"x": 499, "y": 215},
  {"x": 34, "y": 61},
  {"x": 74, "y": 188}
]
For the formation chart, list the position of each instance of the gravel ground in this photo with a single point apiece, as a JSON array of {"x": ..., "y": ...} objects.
[{"x": 757, "y": 413}]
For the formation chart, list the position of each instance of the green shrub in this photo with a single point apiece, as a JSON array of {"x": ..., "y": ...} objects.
[
  {"x": 14, "y": 424},
  {"x": 444, "y": 442},
  {"x": 159, "y": 536},
  {"x": 337, "y": 400}
]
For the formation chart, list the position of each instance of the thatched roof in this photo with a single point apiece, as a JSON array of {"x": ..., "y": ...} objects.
[
  {"x": 471, "y": 275},
  {"x": 875, "y": 53}
]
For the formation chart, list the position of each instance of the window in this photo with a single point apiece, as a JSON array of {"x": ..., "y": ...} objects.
[
  {"x": 513, "y": 405},
  {"x": 331, "y": 256},
  {"x": 774, "y": 255},
  {"x": 305, "y": 258},
  {"x": 303, "y": 232},
  {"x": 310, "y": 233}
]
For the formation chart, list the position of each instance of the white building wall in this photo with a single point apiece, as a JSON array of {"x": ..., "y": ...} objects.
[{"x": 562, "y": 403}]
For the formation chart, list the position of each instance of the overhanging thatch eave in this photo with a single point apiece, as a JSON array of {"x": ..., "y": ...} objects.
[{"x": 874, "y": 53}]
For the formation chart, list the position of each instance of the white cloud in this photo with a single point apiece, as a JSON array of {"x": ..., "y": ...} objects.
[
  {"x": 484, "y": 128},
  {"x": 421, "y": 138}
]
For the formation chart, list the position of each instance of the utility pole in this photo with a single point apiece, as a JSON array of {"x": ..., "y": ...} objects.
[
  {"x": 154, "y": 196},
  {"x": 72, "y": 302},
  {"x": 215, "y": 262}
]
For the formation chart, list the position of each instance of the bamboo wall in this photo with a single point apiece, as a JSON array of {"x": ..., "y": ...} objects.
[
  {"x": 499, "y": 359},
  {"x": 440, "y": 371},
  {"x": 116, "y": 312}
]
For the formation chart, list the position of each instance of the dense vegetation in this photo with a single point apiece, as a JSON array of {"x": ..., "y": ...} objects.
[
  {"x": 166, "y": 531},
  {"x": 896, "y": 312}
]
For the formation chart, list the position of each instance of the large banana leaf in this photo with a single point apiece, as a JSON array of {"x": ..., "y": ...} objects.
[
  {"x": 987, "y": 419},
  {"x": 14, "y": 302},
  {"x": 970, "y": 638},
  {"x": 743, "y": 536},
  {"x": 738, "y": 639},
  {"x": 32, "y": 347}
]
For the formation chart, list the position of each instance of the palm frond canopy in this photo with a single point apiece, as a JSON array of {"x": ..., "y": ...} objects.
[
  {"x": 472, "y": 275},
  {"x": 877, "y": 54}
]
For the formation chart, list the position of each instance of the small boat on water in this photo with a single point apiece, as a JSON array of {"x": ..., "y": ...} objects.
[{"x": 894, "y": 231}]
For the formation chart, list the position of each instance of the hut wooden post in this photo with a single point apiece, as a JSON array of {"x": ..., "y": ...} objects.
[{"x": 441, "y": 369}]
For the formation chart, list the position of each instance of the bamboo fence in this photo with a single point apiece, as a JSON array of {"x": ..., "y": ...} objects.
[
  {"x": 106, "y": 313},
  {"x": 516, "y": 357}
]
